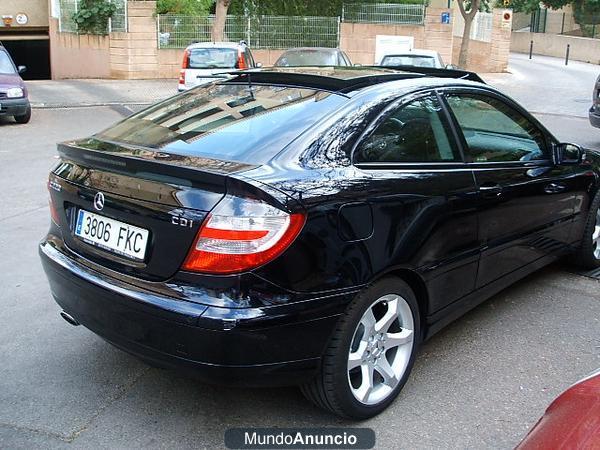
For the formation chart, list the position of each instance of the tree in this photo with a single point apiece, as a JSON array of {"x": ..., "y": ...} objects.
[
  {"x": 187, "y": 7},
  {"x": 218, "y": 28},
  {"x": 468, "y": 16},
  {"x": 585, "y": 12}
]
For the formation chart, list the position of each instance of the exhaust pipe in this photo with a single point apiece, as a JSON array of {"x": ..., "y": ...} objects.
[{"x": 70, "y": 319}]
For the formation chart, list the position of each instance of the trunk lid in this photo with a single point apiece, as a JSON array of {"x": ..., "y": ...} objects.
[{"x": 167, "y": 195}]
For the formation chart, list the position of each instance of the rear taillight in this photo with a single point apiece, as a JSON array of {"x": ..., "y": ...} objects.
[
  {"x": 241, "y": 62},
  {"x": 241, "y": 234},
  {"x": 185, "y": 63}
]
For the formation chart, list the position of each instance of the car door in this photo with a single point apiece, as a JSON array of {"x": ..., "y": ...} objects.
[
  {"x": 526, "y": 202},
  {"x": 422, "y": 197}
]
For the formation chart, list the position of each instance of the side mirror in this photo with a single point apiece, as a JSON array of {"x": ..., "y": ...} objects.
[
  {"x": 259, "y": 65},
  {"x": 451, "y": 67},
  {"x": 565, "y": 154},
  {"x": 22, "y": 69}
]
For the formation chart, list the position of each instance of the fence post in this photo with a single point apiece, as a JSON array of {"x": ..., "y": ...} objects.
[
  {"x": 567, "y": 55},
  {"x": 562, "y": 25},
  {"x": 343, "y": 10},
  {"x": 339, "y": 29},
  {"x": 126, "y": 6},
  {"x": 158, "y": 30},
  {"x": 530, "y": 49},
  {"x": 248, "y": 32}
]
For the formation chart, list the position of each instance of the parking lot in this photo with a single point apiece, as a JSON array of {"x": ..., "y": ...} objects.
[{"x": 480, "y": 383}]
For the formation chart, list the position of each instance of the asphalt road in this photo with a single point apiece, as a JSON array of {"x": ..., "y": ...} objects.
[{"x": 480, "y": 383}]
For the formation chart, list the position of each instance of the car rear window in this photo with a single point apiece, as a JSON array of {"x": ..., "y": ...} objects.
[
  {"x": 307, "y": 58},
  {"x": 6, "y": 65},
  {"x": 213, "y": 58},
  {"x": 409, "y": 60},
  {"x": 232, "y": 122}
]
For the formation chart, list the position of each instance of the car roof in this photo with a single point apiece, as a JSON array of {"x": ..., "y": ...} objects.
[
  {"x": 341, "y": 79},
  {"x": 216, "y": 45},
  {"x": 415, "y": 51},
  {"x": 303, "y": 49}
]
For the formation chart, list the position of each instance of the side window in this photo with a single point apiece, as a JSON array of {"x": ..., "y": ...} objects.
[
  {"x": 415, "y": 132},
  {"x": 249, "y": 58},
  {"x": 494, "y": 131}
]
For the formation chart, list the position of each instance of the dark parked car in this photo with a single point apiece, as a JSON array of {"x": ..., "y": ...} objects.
[
  {"x": 571, "y": 421},
  {"x": 595, "y": 109},
  {"x": 313, "y": 56},
  {"x": 310, "y": 228},
  {"x": 13, "y": 92}
]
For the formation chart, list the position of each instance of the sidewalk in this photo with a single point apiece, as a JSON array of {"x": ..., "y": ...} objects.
[
  {"x": 544, "y": 85},
  {"x": 82, "y": 93}
]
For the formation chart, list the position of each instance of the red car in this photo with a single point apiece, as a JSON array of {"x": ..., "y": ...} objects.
[{"x": 572, "y": 421}]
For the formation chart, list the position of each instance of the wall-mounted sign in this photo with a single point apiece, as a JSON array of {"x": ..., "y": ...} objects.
[
  {"x": 22, "y": 19},
  {"x": 7, "y": 20},
  {"x": 445, "y": 17},
  {"x": 506, "y": 18}
]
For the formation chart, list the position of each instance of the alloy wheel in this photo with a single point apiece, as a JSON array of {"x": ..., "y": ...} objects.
[{"x": 380, "y": 350}]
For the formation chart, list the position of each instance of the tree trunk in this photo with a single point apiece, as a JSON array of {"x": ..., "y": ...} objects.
[
  {"x": 218, "y": 29},
  {"x": 468, "y": 17},
  {"x": 464, "y": 45}
]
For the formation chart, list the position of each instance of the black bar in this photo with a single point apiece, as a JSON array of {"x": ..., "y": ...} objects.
[
  {"x": 567, "y": 55},
  {"x": 562, "y": 25},
  {"x": 530, "y": 49}
]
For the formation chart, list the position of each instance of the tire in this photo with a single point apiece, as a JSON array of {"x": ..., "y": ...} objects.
[
  {"x": 25, "y": 118},
  {"x": 339, "y": 390},
  {"x": 587, "y": 256}
]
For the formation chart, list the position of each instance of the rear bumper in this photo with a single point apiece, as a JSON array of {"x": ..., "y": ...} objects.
[
  {"x": 279, "y": 345},
  {"x": 594, "y": 116},
  {"x": 14, "y": 106}
]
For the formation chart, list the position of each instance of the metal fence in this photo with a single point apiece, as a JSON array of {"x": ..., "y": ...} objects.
[
  {"x": 554, "y": 22},
  {"x": 383, "y": 13},
  {"x": 481, "y": 29},
  {"x": 178, "y": 31},
  {"x": 67, "y": 8}
]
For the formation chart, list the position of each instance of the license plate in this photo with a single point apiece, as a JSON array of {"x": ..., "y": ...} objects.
[{"x": 112, "y": 235}]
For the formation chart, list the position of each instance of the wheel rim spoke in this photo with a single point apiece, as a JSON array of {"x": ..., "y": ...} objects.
[
  {"x": 356, "y": 358},
  {"x": 385, "y": 370},
  {"x": 390, "y": 316},
  {"x": 596, "y": 237},
  {"x": 401, "y": 338},
  {"x": 366, "y": 386},
  {"x": 368, "y": 321}
]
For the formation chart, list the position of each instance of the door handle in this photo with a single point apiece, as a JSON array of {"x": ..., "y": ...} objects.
[
  {"x": 490, "y": 190},
  {"x": 554, "y": 188}
]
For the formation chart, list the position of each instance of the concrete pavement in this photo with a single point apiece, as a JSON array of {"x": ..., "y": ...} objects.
[{"x": 70, "y": 93}]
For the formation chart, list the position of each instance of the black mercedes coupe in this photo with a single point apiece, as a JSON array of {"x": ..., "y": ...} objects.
[{"x": 311, "y": 227}]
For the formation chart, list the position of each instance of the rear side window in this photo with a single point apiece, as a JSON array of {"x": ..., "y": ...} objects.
[
  {"x": 415, "y": 132},
  {"x": 408, "y": 60},
  {"x": 494, "y": 131},
  {"x": 232, "y": 122},
  {"x": 213, "y": 58},
  {"x": 248, "y": 58}
]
